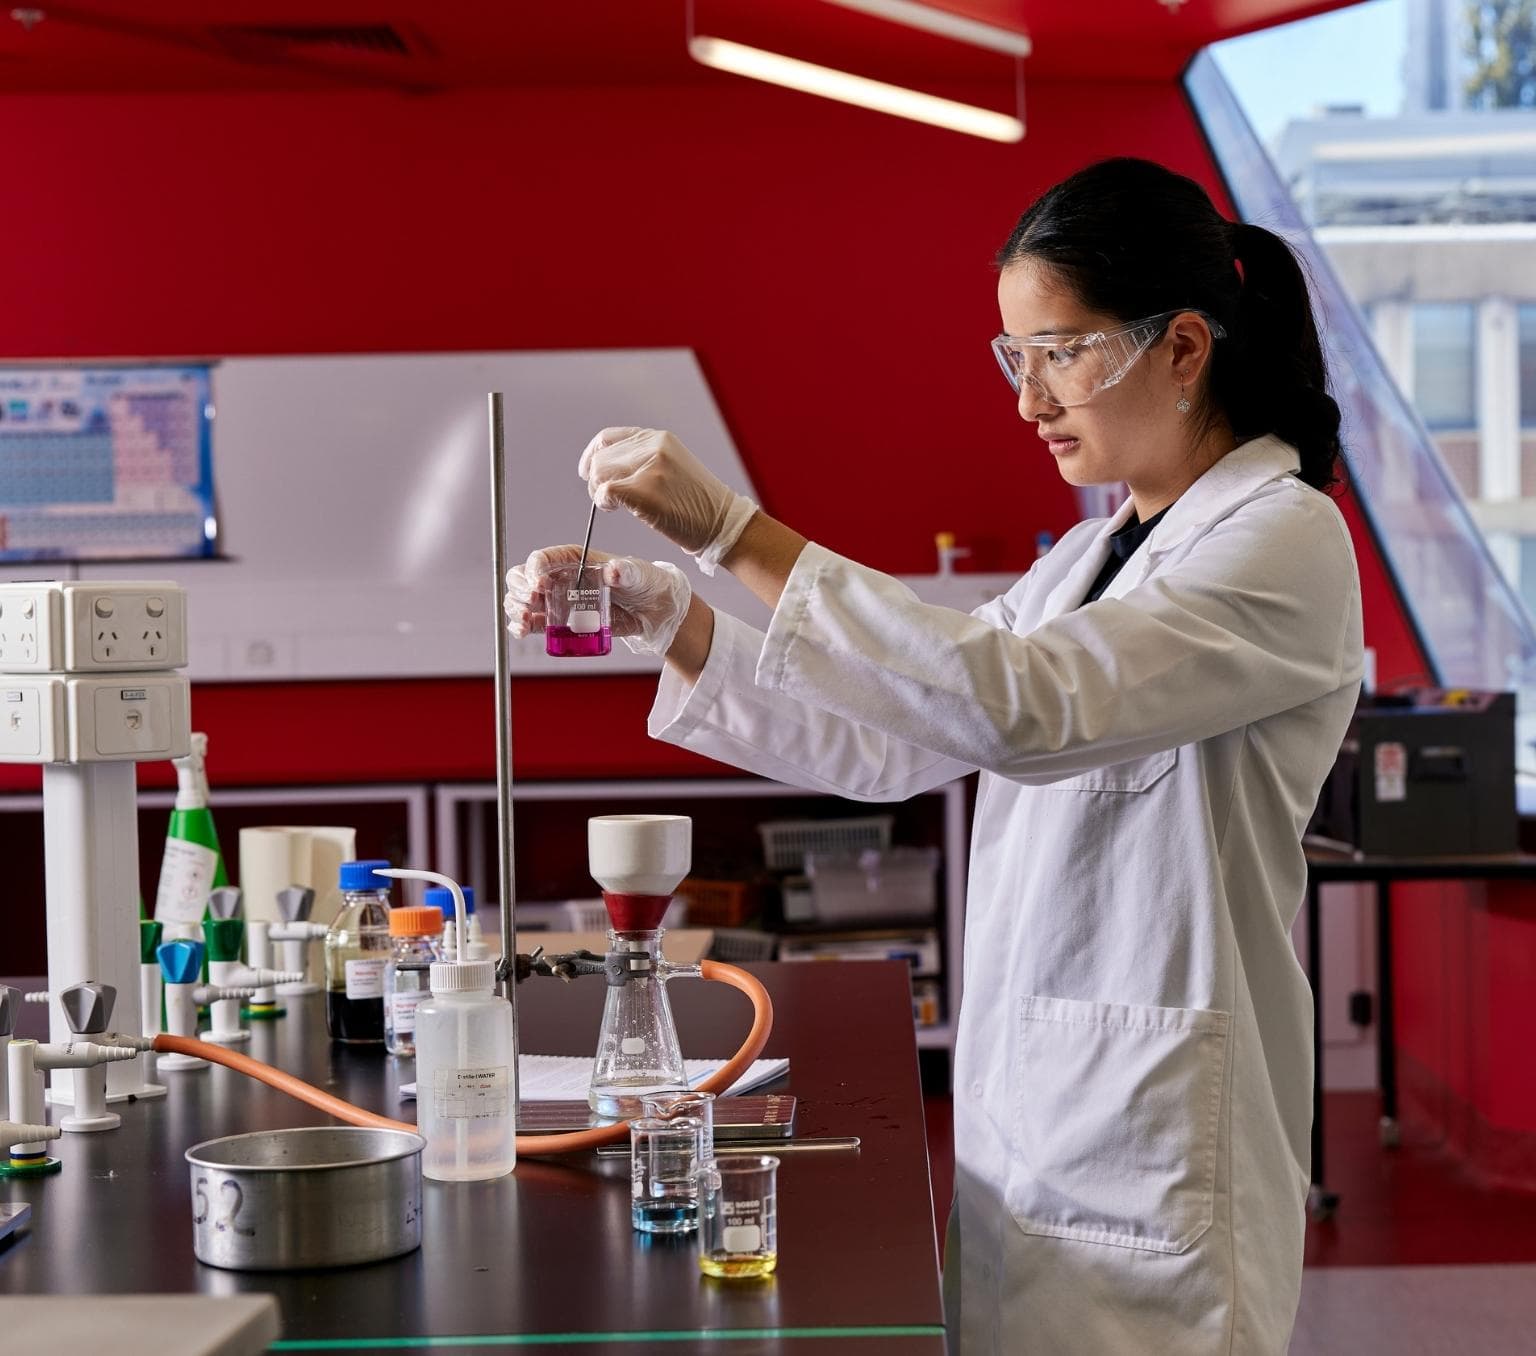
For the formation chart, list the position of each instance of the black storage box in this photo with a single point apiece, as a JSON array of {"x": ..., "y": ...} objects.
[{"x": 1425, "y": 773}]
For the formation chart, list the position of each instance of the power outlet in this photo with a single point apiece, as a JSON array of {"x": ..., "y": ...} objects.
[
  {"x": 28, "y": 627},
  {"x": 79, "y": 627},
  {"x": 126, "y": 626}
]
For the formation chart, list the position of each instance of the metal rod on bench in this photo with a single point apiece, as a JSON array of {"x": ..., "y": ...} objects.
[{"x": 506, "y": 873}]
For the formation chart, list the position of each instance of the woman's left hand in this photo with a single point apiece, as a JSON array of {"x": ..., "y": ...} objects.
[{"x": 649, "y": 472}]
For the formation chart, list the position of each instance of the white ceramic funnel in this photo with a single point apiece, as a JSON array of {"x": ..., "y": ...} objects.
[{"x": 639, "y": 854}]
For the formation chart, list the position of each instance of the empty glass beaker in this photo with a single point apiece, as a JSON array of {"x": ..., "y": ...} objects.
[
  {"x": 576, "y": 612},
  {"x": 637, "y": 1049},
  {"x": 664, "y": 1175},
  {"x": 671, "y": 1106},
  {"x": 739, "y": 1216}
]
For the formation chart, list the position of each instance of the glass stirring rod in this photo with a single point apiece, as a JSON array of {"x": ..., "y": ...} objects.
[{"x": 586, "y": 542}]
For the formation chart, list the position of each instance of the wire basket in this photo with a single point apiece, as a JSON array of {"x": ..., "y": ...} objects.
[
  {"x": 786, "y": 841},
  {"x": 718, "y": 903},
  {"x": 739, "y": 945}
]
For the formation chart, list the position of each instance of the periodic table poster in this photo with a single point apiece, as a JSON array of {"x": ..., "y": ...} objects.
[{"x": 106, "y": 463}]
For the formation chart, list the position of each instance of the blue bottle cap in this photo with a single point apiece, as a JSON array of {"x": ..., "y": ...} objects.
[
  {"x": 181, "y": 962},
  {"x": 359, "y": 875},
  {"x": 442, "y": 898}
]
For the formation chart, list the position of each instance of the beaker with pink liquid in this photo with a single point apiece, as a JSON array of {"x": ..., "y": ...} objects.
[{"x": 577, "y": 620}]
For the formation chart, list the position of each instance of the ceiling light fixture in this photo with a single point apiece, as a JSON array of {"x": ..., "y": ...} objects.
[
  {"x": 944, "y": 23},
  {"x": 777, "y": 69}
]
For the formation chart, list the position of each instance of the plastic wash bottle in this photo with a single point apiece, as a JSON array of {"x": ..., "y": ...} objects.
[{"x": 466, "y": 1063}]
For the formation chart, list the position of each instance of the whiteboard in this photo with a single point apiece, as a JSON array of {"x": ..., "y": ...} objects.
[{"x": 354, "y": 505}]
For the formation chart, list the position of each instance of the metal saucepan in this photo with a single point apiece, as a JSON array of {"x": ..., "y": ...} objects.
[{"x": 317, "y": 1196}]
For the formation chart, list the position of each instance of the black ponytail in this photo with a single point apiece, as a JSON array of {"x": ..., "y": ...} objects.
[
  {"x": 1132, "y": 239},
  {"x": 1271, "y": 375}
]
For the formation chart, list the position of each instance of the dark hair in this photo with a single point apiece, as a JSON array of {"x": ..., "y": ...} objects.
[{"x": 1130, "y": 239}]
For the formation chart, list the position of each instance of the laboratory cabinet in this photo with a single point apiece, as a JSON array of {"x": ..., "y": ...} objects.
[{"x": 451, "y": 827}]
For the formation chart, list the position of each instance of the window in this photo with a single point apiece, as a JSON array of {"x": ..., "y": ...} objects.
[
  {"x": 1469, "y": 617},
  {"x": 1528, "y": 369},
  {"x": 1444, "y": 367}
]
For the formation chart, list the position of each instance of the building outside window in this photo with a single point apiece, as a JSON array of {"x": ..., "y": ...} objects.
[
  {"x": 1403, "y": 133},
  {"x": 1444, "y": 363},
  {"x": 1527, "y": 324}
]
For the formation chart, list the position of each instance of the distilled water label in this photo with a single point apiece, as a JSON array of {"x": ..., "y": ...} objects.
[
  {"x": 186, "y": 877},
  {"x": 473, "y": 1094},
  {"x": 365, "y": 978},
  {"x": 403, "y": 1007}
]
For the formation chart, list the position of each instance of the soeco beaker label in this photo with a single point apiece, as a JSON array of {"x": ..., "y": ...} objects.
[
  {"x": 472, "y": 1094},
  {"x": 742, "y": 1237},
  {"x": 365, "y": 979}
]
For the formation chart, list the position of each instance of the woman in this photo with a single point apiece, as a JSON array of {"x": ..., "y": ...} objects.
[{"x": 1153, "y": 709}]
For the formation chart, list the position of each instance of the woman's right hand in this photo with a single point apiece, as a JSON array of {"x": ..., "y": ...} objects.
[{"x": 647, "y": 602}]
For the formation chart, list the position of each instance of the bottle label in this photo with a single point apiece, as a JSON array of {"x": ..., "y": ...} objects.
[
  {"x": 365, "y": 978},
  {"x": 472, "y": 1094},
  {"x": 403, "y": 1007},
  {"x": 186, "y": 877}
]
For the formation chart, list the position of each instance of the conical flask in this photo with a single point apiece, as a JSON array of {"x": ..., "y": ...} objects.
[
  {"x": 638, "y": 860},
  {"x": 637, "y": 1048}
]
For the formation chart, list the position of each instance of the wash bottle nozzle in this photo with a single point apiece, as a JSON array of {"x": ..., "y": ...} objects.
[{"x": 471, "y": 978}]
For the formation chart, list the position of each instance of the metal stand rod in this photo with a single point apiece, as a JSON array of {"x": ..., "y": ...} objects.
[
  {"x": 1386, "y": 1016},
  {"x": 1321, "y": 1203},
  {"x": 506, "y": 874}
]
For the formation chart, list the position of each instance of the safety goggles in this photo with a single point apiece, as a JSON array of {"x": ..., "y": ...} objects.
[{"x": 1070, "y": 370}]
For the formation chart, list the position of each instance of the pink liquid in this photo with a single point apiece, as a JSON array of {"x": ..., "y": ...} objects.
[{"x": 564, "y": 643}]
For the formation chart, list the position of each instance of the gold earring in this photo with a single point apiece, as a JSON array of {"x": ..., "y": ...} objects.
[{"x": 1182, "y": 403}]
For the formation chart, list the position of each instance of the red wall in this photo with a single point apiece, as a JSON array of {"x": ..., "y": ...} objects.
[{"x": 831, "y": 267}]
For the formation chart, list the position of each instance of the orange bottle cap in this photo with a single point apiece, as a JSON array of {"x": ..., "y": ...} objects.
[{"x": 418, "y": 922}]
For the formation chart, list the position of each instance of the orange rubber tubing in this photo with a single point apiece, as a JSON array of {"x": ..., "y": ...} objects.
[{"x": 531, "y": 1145}]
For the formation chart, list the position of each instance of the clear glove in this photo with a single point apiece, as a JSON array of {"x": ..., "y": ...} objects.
[
  {"x": 649, "y": 472},
  {"x": 646, "y": 601}
]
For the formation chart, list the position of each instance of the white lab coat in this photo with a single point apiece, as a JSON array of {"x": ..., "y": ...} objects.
[{"x": 1133, "y": 1065}]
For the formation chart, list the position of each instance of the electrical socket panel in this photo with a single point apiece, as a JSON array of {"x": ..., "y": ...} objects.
[
  {"x": 80, "y": 626},
  {"x": 115, "y": 719},
  {"x": 56, "y": 718},
  {"x": 32, "y": 725}
]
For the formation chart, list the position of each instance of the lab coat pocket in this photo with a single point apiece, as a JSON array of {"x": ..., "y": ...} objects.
[
  {"x": 1117, "y": 1123},
  {"x": 1138, "y": 774}
]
